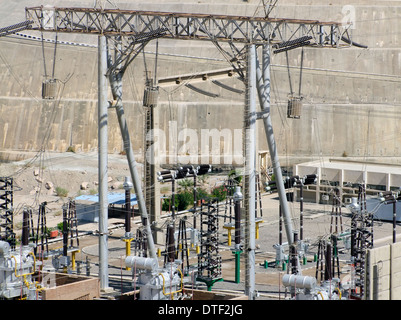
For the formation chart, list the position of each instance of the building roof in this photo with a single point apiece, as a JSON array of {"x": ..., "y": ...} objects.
[
  {"x": 355, "y": 165},
  {"x": 112, "y": 197},
  {"x": 351, "y": 171}
]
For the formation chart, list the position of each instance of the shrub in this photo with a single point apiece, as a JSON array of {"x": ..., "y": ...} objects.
[
  {"x": 201, "y": 194},
  {"x": 166, "y": 206},
  {"x": 220, "y": 192},
  {"x": 71, "y": 149},
  {"x": 185, "y": 184},
  {"x": 61, "y": 192},
  {"x": 185, "y": 199},
  {"x": 60, "y": 226}
]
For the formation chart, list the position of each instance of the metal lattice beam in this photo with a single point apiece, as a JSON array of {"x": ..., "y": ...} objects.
[{"x": 222, "y": 28}]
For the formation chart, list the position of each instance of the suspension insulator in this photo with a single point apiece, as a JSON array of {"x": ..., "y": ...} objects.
[
  {"x": 49, "y": 89},
  {"x": 294, "y": 107},
  {"x": 150, "y": 97}
]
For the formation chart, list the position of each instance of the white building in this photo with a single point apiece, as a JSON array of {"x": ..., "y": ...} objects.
[{"x": 346, "y": 175}]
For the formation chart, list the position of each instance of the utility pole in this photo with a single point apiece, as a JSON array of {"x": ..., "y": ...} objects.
[
  {"x": 250, "y": 154},
  {"x": 102, "y": 158}
]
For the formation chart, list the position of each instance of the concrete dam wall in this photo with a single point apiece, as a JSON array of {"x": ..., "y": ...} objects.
[{"x": 351, "y": 96}]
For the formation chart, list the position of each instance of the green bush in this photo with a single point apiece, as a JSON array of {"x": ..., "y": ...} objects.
[
  {"x": 201, "y": 194},
  {"x": 220, "y": 192},
  {"x": 166, "y": 205},
  {"x": 185, "y": 184},
  {"x": 61, "y": 192},
  {"x": 185, "y": 199}
]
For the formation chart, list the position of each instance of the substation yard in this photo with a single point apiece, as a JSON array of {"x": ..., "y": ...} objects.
[{"x": 268, "y": 280}]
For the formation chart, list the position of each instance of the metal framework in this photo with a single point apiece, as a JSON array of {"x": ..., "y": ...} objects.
[
  {"x": 209, "y": 258},
  {"x": 7, "y": 210},
  {"x": 361, "y": 241},
  {"x": 242, "y": 29}
]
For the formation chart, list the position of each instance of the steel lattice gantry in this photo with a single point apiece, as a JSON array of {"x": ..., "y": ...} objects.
[{"x": 236, "y": 29}]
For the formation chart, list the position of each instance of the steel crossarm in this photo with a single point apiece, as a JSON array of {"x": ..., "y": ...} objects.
[{"x": 221, "y": 28}]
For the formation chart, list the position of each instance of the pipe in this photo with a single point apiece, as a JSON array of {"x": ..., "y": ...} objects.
[{"x": 172, "y": 292}]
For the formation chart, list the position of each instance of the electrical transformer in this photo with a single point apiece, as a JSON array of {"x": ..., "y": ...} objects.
[
  {"x": 17, "y": 268},
  {"x": 156, "y": 284}
]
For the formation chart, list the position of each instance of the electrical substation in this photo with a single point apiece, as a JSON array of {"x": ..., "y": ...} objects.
[{"x": 206, "y": 204}]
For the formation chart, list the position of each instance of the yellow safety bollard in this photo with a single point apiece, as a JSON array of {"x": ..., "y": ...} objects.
[
  {"x": 73, "y": 259},
  {"x": 127, "y": 249},
  {"x": 229, "y": 228}
]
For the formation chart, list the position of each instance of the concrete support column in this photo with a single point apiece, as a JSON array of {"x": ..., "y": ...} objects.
[
  {"x": 102, "y": 158},
  {"x": 250, "y": 171}
]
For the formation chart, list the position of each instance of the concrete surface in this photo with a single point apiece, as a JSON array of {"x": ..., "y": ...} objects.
[{"x": 351, "y": 95}]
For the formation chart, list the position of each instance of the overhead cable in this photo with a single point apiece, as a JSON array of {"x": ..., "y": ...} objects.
[{"x": 15, "y": 28}]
